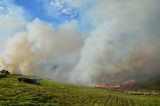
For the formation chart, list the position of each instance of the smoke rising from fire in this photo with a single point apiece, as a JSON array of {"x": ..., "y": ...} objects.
[
  {"x": 122, "y": 44},
  {"x": 38, "y": 49}
]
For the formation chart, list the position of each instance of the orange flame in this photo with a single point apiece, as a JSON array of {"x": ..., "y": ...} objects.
[{"x": 115, "y": 86}]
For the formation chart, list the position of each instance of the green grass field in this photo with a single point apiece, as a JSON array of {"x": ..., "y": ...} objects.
[{"x": 48, "y": 93}]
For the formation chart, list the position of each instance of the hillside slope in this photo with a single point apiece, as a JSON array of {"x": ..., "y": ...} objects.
[{"x": 47, "y": 93}]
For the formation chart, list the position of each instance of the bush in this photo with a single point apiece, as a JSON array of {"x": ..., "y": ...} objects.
[{"x": 2, "y": 75}]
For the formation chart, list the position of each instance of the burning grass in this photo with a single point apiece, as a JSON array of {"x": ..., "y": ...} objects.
[
  {"x": 124, "y": 85},
  {"x": 49, "y": 93}
]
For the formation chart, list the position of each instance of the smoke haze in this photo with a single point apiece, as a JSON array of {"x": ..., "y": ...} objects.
[
  {"x": 40, "y": 47},
  {"x": 122, "y": 44}
]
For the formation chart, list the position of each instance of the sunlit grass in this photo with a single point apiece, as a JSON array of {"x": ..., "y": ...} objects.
[{"x": 48, "y": 93}]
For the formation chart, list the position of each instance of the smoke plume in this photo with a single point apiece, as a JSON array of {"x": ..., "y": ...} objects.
[
  {"x": 41, "y": 50},
  {"x": 123, "y": 43}
]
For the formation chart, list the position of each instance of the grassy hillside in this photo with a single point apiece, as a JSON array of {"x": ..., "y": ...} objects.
[{"x": 47, "y": 93}]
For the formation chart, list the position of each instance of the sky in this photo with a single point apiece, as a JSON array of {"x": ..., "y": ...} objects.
[
  {"x": 50, "y": 10},
  {"x": 81, "y": 41},
  {"x": 54, "y": 12}
]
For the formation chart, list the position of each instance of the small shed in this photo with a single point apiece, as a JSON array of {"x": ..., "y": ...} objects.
[{"x": 32, "y": 80}]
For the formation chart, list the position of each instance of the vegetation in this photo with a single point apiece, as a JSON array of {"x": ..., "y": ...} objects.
[
  {"x": 2, "y": 76},
  {"x": 48, "y": 93}
]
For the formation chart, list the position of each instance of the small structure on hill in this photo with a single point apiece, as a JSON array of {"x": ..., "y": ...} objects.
[{"x": 32, "y": 80}]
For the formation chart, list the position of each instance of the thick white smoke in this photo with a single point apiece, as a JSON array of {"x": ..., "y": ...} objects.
[
  {"x": 41, "y": 50},
  {"x": 125, "y": 42}
]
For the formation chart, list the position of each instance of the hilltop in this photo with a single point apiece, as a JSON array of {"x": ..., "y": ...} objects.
[{"x": 49, "y": 93}]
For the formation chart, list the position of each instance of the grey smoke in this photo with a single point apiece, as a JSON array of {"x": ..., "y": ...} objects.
[
  {"x": 36, "y": 50},
  {"x": 124, "y": 44}
]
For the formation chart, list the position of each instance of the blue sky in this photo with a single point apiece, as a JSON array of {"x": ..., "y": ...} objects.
[
  {"x": 55, "y": 12},
  {"x": 52, "y": 11}
]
